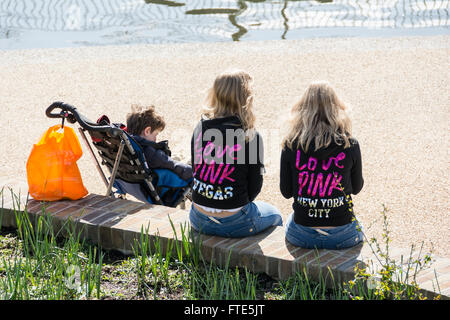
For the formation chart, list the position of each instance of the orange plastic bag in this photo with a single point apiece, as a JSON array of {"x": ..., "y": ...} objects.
[{"x": 52, "y": 171}]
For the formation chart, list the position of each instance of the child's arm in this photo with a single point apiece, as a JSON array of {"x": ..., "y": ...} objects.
[{"x": 158, "y": 159}]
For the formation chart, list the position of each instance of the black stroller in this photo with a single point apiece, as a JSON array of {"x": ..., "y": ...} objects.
[{"x": 124, "y": 158}]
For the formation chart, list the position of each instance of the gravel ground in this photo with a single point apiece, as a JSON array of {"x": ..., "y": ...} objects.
[{"x": 397, "y": 88}]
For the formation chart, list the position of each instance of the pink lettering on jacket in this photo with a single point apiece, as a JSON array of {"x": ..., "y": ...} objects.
[
  {"x": 211, "y": 172},
  {"x": 320, "y": 185},
  {"x": 302, "y": 180},
  {"x": 213, "y": 177},
  {"x": 335, "y": 184},
  {"x": 339, "y": 157},
  {"x": 201, "y": 152},
  {"x": 317, "y": 182},
  {"x": 226, "y": 174}
]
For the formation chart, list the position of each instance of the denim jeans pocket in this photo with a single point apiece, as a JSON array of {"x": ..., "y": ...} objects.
[{"x": 247, "y": 228}]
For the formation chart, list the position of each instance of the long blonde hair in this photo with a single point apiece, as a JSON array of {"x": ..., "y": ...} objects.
[
  {"x": 318, "y": 116},
  {"x": 232, "y": 95}
]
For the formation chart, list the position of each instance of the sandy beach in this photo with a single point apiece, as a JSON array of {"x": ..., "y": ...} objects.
[{"x": 397, "y": 88}]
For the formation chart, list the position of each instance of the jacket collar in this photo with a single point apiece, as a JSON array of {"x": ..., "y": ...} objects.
[
  {"x": 228, "y": 121},
  {"x": 163, "y": 145}
]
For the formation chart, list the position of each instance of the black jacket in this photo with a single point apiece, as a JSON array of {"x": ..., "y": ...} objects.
[
  {"x": 315, "y": 180},
  {"x": 227, "y": 168},
  {"x": 158, "y": 157}
]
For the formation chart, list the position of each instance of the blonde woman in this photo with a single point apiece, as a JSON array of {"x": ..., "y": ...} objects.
[
  {"x": 320, "y": 168},
  {"x": 227, "y": 160}
]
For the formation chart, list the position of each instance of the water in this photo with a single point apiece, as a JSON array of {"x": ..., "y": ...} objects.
[{"x": 73, "y": 23}]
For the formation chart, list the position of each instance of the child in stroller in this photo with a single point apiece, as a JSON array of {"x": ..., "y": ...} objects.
[
  {"x": 144, "y": 125},
  {"x": 168, "y": 184}
]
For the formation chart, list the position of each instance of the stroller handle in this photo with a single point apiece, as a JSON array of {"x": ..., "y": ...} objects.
[{"x": 71, "y": 114}]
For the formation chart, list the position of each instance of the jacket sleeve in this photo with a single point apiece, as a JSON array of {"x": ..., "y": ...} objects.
[
  {"x": 285, "y": 175},
  {"x": 192, "y": 154},
  {"x": 158, "y": 159},
  {"x": 256, "y": 171},
  {"x": 356, "y": 172},
  {"x": 255, "y": 181}
]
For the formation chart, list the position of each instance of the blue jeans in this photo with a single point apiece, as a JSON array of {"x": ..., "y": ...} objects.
[
  {"x": 253, "y": 218},
  {"x": 338, "y": 238}
]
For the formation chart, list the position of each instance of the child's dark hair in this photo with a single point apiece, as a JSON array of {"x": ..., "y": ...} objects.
[{"x": 141, "y": 118}]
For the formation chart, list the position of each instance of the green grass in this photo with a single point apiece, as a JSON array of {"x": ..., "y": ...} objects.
[{"x": 37, "y": 262}]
